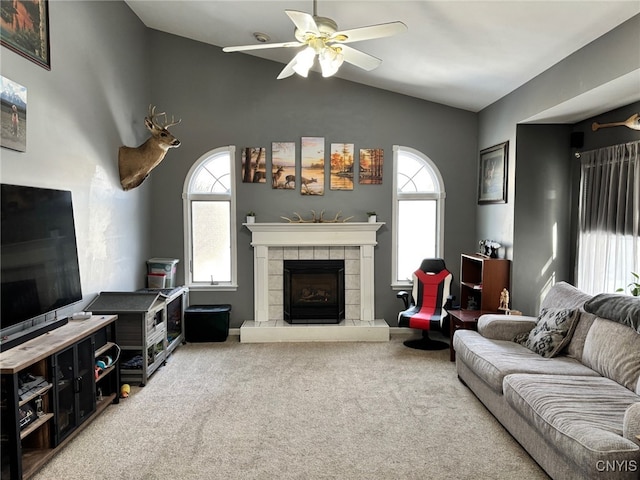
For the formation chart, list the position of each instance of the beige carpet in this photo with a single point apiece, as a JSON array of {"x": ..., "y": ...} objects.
[{"x": 297, "y": 411}]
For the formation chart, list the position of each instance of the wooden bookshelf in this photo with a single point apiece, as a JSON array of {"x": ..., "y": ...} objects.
[{"x": 482, "y": 279}]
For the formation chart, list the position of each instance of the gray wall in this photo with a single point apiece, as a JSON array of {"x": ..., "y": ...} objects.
[
  {"x": 107, "y": 67},
  {"x": 78, "y": 114},
  {"x": 235, "y": 99},
  {"x": 546, "y": 197},
  {"x": 542, "y": 209},
  {"x": 605, "y": 137},
  {"x": 611, "y": 56}
]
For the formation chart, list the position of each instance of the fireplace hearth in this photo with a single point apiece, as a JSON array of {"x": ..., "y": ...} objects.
[{"x": 314, "y": 291}]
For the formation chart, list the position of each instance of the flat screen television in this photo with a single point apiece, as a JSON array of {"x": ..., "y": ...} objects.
[{"x": 39, "y": 255}]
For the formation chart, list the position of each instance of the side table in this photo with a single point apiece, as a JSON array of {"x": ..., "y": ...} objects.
[{"x": 462, "y": 320}]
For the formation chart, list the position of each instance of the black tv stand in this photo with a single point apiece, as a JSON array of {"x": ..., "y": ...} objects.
[{"x": 19, "y": 338}]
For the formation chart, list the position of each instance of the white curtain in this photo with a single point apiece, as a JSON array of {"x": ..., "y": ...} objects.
[{"x": 608, "y": 241}]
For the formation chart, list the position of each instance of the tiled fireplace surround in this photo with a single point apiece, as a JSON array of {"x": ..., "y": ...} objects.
[
  {"x": 352, "y": 242},
  {"x": 351, "y": 257}
]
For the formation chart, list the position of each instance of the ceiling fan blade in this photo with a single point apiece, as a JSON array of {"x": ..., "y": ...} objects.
[
  {"x": 288, "y": 70},
  {"x": 260, "y": 46},
  {"x": 303, "y": 22},
  {"x": 369, "y": 33},
  {"x": 359, "y": 59}
]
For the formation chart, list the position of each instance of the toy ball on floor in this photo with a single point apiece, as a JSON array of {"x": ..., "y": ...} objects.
[{"x": 125, "y": 390}]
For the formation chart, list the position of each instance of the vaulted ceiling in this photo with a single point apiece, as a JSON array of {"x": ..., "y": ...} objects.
[{"x": 465, "y": 54}]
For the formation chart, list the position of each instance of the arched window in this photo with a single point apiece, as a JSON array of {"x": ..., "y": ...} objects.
[
  {"x": 210, "y": 221},
  {"x": 418, "y": 212}
]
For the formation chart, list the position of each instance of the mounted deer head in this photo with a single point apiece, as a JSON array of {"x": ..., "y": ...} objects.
[{"x": 135, "y": 164}]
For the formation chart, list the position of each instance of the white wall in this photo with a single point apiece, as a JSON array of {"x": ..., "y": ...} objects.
[{"x": 92, "y": 100}]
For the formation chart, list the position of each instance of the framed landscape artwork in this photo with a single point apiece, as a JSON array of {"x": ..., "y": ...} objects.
[
  {"x": 371, "y": 166},
  {"x": 254, "y": 165},
  {"x": 492, "y": 174},
  {"x": 13, "y": 115},
  {"x": 312, "y": 166},
  {"x": 283, "y": 165},
  {"x": 25, "y": 29},
  {"x": 342, "y": 163}
]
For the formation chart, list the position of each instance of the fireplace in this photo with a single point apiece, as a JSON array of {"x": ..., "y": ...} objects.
[
  {"x": 275, "y": 242},
  {"x": 314, "y": 291},
  {"x": 352, "y": 242}
]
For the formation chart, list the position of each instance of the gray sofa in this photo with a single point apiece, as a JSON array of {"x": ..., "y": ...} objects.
[{"x": 577, "y": 413}]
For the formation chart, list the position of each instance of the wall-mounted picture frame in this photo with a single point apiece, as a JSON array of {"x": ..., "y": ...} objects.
[
  {"x": 312, "y": 166},
  {"x": 283, "y": 165},
  {"x": 341, "y": 168},
  {"x": 254, "y": 165},
  {"x": 371, "y": 166},
  {"x": 492, "y": 174},
  {"x": 25, "y": 29},
  {"x": 13, "y": 115}
]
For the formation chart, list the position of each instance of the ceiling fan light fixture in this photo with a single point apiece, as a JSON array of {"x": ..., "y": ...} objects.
[
  {"x": 318, "y": 36},
  {"x": 304, "y": 61},
  {"x": 331, "y": 60}
]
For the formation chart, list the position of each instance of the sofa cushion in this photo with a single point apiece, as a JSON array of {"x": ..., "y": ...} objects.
[
  {"x": 551, "y": 333},
  {"x": 631, "y": 423},
  {"x": 613, "y": 350},
  {"x": 564, "y": 295},
  {"x": 581, "y": 416},
  {"x": 504, "y": 327},
  {"x": 576, "y": 344},
  {"x": 619, "y": 308},
  {"x": 492, "y": 360}
]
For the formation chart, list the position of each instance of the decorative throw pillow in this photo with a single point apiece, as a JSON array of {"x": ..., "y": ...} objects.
[
  {"x": 552, "y": 331},
  {"x": 623, "y": 309}
]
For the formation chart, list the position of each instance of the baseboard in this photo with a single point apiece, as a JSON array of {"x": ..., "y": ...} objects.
[
  {"x": 401, "y": 331},
  {"x": 392, "y": 331}
]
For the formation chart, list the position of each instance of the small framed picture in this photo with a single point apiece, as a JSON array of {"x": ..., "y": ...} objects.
[
  {"x": 25, "y": 29},
  {"x": 492, "y": 174},
  {"x": 13, "y": 113}
]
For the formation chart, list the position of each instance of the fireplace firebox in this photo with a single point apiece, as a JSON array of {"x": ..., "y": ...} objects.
[{"x": 314, "y": 291}]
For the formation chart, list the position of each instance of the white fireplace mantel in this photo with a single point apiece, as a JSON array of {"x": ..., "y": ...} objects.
[
  {"x": 359, "y": 234},
  {"x": 313, "y": 234}
]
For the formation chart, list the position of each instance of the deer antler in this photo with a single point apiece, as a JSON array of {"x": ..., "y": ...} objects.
[
  {"x": 316, "y": 219},
  {"x": 154, "y": 118},
  {"x": 171, "y": 123},
  {"x": 338, "y": 215},
  {"x": 298, "y": 220}
]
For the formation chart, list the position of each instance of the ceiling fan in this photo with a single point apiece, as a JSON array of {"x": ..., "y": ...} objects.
[{"x": 321, "y": 37}]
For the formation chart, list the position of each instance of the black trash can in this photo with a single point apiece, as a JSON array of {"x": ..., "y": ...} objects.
[{"x": 207, "y": 323}]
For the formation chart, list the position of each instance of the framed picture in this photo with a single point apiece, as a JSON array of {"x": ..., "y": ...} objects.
[
  {"x": 371, "y": 164},
  {"x": 312, "y": 166},
  {"x": 283, "y": 165},
  {"x": 13, "y": 114},
  {"x": 254, "y": 165},
  {"x": 492, "y": 174},
  {"x": 25, "y": 29},
  {"x": 341, "y": 166}
]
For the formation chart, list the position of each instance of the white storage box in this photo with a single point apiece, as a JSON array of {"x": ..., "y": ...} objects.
[{"x": 164, "y": 265}]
